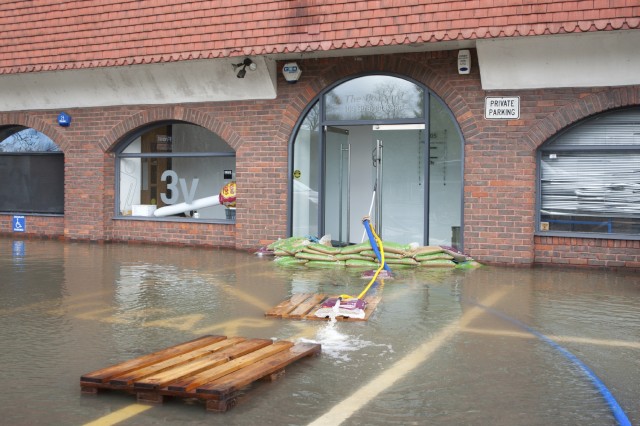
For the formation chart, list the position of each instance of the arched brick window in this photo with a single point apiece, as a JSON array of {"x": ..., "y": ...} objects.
[
  {"x": 589, "y": 178},
  {"x": 174, "y": 171},
  {"x": 31, "y": 172}
]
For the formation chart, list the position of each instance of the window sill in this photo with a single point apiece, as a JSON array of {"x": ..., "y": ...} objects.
[
  {"x": 585, "y": 235},
  {"x": 174, "y": 219}
]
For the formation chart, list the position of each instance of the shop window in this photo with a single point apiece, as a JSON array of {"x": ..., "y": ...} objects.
[
  {"x": 306, "y": 185},
  {"x": 31, "y": 172},
  {"x": 176, "y": 170},
  {"x": 590, "y": 178}
]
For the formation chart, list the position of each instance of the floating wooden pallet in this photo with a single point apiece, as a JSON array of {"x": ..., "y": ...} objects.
[
  {"x": 211, "y": 368},
  {"x": 304, "y": 305}
]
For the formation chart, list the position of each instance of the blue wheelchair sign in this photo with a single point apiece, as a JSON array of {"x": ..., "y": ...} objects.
[{"x": 19, "y": 224}]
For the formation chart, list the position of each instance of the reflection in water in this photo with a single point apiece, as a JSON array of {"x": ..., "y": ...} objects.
[{"x": 70, "y": 308}]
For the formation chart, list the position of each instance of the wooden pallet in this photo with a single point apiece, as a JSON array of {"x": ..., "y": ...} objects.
[
  {"x": 304, "y": 305},
  {"x": 211, "y": 368}
]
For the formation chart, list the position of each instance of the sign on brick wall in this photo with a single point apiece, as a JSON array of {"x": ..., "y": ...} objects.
[
  {"x": 502, "y": 108},
  {"x": 19, "y": 224}
]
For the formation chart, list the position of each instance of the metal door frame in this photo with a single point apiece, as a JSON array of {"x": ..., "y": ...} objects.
[
  {"x": 318, "y": 101},
  {"x": 341, "y": 180}
]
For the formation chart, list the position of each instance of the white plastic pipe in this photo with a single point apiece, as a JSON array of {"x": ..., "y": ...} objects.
[{"x": 200, "y": 203}]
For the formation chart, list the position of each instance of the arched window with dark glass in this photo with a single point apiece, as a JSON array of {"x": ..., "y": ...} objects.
[{"x": 31, "y": 172}]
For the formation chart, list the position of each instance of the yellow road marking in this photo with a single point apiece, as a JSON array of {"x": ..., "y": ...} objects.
[
  {"x": 570, "y": 339},
  {"x": 46, "y": 303},
  {"x": 305, "y": 330},
  {"x": 182, "y": 322},
  {"x": 347, "y": 407},
  {"x": 120, "y": 415},
  {"x": 67, "y": 308},
  {"x": 231, "y": 328},
  {"x": 247, "y": 298}
]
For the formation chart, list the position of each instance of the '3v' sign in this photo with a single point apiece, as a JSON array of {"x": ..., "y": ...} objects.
[{"x": 189, "y": 193}]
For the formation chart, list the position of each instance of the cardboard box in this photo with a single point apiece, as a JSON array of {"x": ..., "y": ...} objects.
[{"x": 143, "y": 209}]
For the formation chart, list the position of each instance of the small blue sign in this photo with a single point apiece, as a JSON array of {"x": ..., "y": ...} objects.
[
  {"x": 19, "y": 224},
  {"x": 64, "y": 119}
]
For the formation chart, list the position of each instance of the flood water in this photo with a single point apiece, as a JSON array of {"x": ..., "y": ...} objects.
[{"x": 443, "y": 346}]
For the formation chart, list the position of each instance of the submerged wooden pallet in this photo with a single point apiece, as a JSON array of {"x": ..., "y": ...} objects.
[
  {"x": 304, "y": 305},
  {"x": 211, "y": 368}
]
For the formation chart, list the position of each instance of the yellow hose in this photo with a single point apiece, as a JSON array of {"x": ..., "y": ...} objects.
[{"x": 375, "y": 276}]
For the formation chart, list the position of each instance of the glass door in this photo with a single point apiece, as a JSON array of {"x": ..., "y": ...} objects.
[
  {"x": 337, "y": 189},
  {"x": 376, "y": 171},
  {"x": 398, "y": 173}
]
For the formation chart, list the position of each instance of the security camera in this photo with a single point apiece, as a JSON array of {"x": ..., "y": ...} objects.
[
  {"x": 243, "y": 67},
  {"x": 291, "y": 72}
]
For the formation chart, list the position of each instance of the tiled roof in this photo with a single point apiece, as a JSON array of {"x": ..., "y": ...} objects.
[{"x": 42, "y": 35}]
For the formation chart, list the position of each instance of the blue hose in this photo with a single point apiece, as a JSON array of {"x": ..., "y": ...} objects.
[
  {"x": 616, "y": 410},
  {"x": 373, "y": 243}
]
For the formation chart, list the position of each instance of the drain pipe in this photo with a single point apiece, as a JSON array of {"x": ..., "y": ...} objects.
[{"x": 616, "y": 410}]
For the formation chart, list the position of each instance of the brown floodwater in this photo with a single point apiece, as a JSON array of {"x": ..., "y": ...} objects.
[{"x": 463, "y": 347}]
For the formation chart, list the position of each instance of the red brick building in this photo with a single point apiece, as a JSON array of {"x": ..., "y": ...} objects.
[{"x": 506, "y": 128}]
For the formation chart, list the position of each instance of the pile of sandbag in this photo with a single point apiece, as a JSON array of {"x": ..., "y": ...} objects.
[{"x": 303, "y": 251}]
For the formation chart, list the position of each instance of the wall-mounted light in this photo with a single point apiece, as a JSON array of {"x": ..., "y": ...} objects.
[
  {"x": 291, "y": 72},
  {"x": 243, "y": 67}
]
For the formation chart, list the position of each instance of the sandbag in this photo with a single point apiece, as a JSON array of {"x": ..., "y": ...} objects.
[
  {"x": 291, "y": 245},
  {"x": 434, "y": 256},
  {"x": 357, "y": 263},
  {"x": 289, "y": 260},
  {"x": 323, "y": 248},
  {"x": 371, "y": 253},
  {"x": 354, "y": 256},
  {"x": 355, "y": 248},
  {"x": 312, "y": 256},
  {"x": 397, "y": 266},
  {"x": 438, "y": 263},
  {"x": 325, "y": 264},
  {"x": 308, "y": 250},
  {"x": 391, "y": 247},
  {"x": 402, "y": 261},
  {"x": 279, "y": 243},
  {"x": 457, "y": 256},
  {"x": 469, "y": 264},
  {"x": 425, "y": 250}
]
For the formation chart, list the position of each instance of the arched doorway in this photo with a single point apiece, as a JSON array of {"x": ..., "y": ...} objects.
[{"x": 382, "y": 146}]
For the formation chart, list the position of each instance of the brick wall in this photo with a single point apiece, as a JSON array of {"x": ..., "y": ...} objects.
[
  {"x": 182, "y": 233},
  {"x": 36, "y": 226},
  {"x": 500, "y": 160},
  {"x": 593, "y": 252}
]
